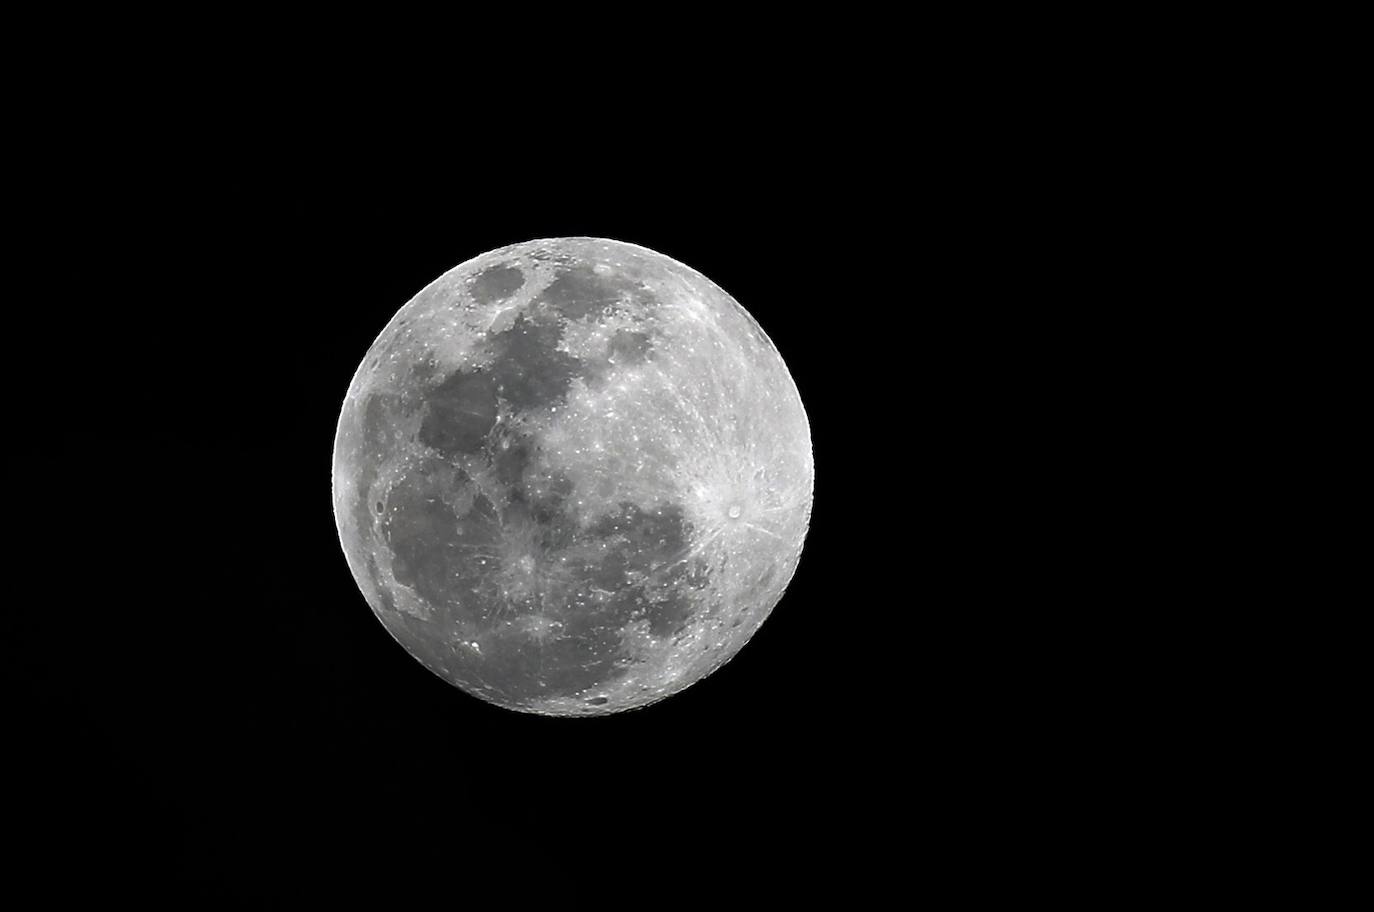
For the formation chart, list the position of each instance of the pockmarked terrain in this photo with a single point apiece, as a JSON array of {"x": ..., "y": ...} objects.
[{"x": 572, "y": 476}]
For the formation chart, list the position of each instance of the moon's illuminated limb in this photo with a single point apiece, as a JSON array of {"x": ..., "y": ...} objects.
[{"x": 572, "y": 476}]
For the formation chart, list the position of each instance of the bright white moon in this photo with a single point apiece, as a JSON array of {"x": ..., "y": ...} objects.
[{"x": 572, "y": 476}]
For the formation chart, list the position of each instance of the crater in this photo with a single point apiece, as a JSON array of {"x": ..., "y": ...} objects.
[{"x": 496, "y": 283}]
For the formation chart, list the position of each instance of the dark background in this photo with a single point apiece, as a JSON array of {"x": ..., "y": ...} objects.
[
  {"x": 225, "y": 714},
  {"x": 970, "y": 246}
]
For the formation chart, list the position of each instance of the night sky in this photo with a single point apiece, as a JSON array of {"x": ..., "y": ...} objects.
[{"x": 203, "y": 704}]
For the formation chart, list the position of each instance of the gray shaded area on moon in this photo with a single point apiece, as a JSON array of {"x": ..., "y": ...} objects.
[{"x": 572, "y": 476}]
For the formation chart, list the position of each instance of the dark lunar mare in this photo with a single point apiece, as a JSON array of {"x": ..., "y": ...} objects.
[
  {"x": 578, "y": 292},
  {"x": 529, "y": 370},
  {"x": 449, "y": 540},
  {"x": 460, "y": 413},
  {"x": 652, "y": 545},
  {"x": 641, "y": 574}
]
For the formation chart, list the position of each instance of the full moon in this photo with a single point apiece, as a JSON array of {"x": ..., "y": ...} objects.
[{"x": 572, "y": 476}]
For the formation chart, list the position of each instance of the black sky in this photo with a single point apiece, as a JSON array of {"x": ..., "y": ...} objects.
[
  {"x": 203, "y": 703},
  {"x": 224, "y": 715}
]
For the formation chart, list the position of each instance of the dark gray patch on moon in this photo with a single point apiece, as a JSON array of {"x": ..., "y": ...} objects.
[
  {"x": 496, "y": 283},
  {"x": 587, "y": 588},
  {"x": 434, "y": 549},
  {"x": 629, "y": 347},
  {"x": 459, "y": 413},
  {"x": 579, "y": 291},
  {"x": 529, "y": 369},
  {"x": 562, "y": 532}
]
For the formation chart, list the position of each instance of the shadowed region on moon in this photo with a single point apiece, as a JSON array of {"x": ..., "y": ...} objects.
[{"x": 572, "y": 476}]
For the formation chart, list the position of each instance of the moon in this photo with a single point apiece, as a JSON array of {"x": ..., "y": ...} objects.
[{"x": 572, "y": 476}]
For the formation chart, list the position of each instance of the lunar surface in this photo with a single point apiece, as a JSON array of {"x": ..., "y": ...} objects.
[{"x": 572, "y": 476}]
